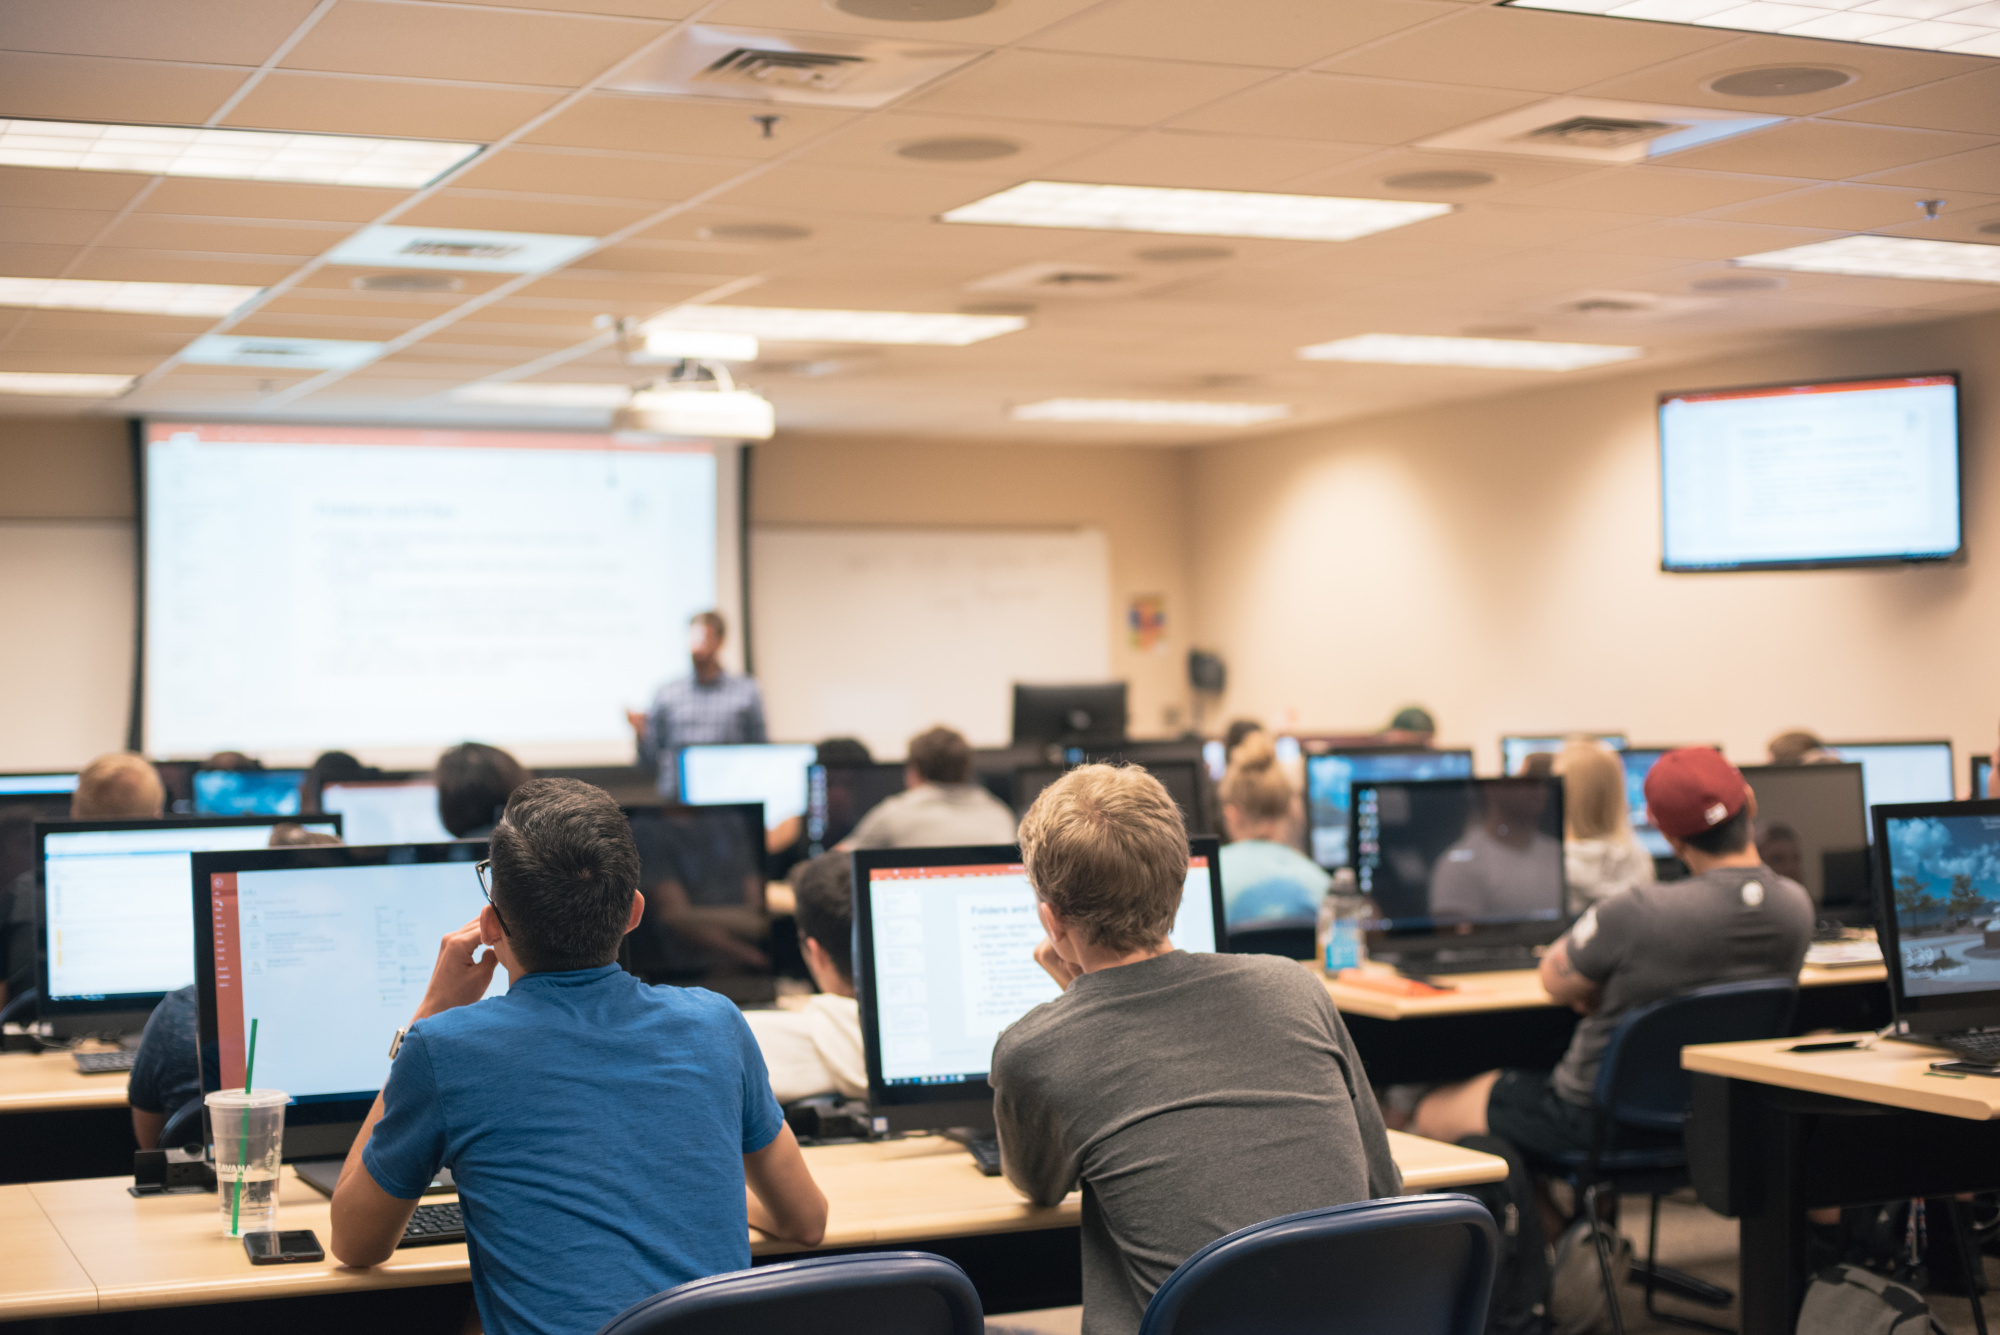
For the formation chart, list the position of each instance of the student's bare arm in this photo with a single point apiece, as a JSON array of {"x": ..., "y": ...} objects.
[
  {"x": 784, "y": 1200},
  {"x": 146, "y": 1128},
  {"x": 367, "y": 1221},
  {"x": 1561, "y": 980}
]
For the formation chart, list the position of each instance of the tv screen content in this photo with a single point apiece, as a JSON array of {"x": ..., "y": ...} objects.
[{"x": 1839, "y": 472}]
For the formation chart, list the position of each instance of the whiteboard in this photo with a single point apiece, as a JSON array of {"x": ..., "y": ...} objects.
[
  {"x": 882, "y": 633},
  {"x": 66, "y": 604}
]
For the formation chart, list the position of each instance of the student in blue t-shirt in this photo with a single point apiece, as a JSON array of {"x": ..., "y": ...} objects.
[
  {"x": 601, "y": 1131},
  {"x": 1264, "y": 878}
]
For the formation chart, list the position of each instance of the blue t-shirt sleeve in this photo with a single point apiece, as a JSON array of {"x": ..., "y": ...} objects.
[
  {"x": 762, "y": 1117},
  {"x": 407, "y": 1146}
]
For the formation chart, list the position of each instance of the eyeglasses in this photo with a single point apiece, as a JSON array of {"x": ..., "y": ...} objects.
[{"x": 483, "y": 869}]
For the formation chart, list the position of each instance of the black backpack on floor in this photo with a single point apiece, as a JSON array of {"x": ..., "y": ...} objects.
[{"x": 1521, "y": 1280}]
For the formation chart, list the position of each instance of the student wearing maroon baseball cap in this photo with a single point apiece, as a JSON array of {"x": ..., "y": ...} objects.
[{"x": 1731, "y": 919}]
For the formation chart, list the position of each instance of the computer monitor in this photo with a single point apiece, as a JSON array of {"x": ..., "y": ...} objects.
[
  {"x": 1639, "y": 762},
  {"x": 1894, "y": 773},
  {"x": 1445, "y": 859},
  {"x": 1938, "y": 912},
  {"x": 1181, "y": 778},
  {"x": 702, "y": 872},
  {"x": 1517, "y": 747},
  {"x": 944, "y": 960},
  {"x": 248, "y": 792},
  {"x": 1812, "y": 825},
  {"x": 114, "y": 932},
  {"x": 771, "y": 773},
  {"x": 387, "y": 811},
  {"x": 1085, "y": 715},
  {"x": 329, "y": 950},
  {"x": 1981, "y": 776},
  {"x": 41, "y": 783},
  {"x": 838, "y": 796},
  {"x": 1331, "y": 776}
]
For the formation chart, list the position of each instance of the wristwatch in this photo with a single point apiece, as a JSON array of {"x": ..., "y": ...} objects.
[{"x": 396, "y": 1043}]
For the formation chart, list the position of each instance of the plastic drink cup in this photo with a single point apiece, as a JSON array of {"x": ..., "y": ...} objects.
[{"x": 249, "y": 1130}]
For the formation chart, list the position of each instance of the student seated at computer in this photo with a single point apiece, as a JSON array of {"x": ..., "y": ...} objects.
[
  {"x": 601, "y": 1131},
  {"x": 1601, "y": 855},
  {"x": 1799, "y": 747},
  {"x": 1263, "y": 875},
  {"x": 1190, "y": 1094},
  {"x": 1733, "y": 919},
  {"x": 474, "y": 781},
  {"x": 1412, "y": 726},
  {"x": 116, "y": 786},
  {"x": 940, "y": 806},
  {"x": 817, "y": 1048}
]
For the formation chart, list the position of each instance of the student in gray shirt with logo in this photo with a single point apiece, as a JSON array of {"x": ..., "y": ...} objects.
[{"x": 1189, "y": 1095}]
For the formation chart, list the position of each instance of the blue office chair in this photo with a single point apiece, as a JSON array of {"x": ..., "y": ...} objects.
[
  {"x": 20, "y": 1008},
  {"x": 886, "y": 1293},
  {"x": 185, "y": 1126},
  {"x": 1412, "y": 1265},
  {"x": 1642, "y": 1087}
]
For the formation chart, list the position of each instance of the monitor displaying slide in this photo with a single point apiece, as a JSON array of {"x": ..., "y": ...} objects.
[
  {"x": 392, "y": 811},
  {"x": 1899, "y": 772},
  {"x": 116, "y": 922},
  {"x": 775, "y": 774},
  {"x": 395, "y": 591},
  {"x": 1330, "y": 779},
  {"x": 248, "y": 792},
  {"x": 1838, "y": 472}
]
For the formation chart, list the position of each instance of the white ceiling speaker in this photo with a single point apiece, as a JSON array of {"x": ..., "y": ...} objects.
[
  {"x": 1780, "y": 81},
  {"x": 914, "y": 11}
]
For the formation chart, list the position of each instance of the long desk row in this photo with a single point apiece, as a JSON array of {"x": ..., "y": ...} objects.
[{"x": 87, "y": 1246}]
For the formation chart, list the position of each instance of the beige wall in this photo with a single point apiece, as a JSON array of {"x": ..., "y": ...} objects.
[
  {"x": 1136, "y": 496},
  {"x": 1498, "y": 560}
]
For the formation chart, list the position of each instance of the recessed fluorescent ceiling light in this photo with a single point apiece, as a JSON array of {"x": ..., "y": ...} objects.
[
  {"x": 316, "y": 354},
  {"x": 781, "y": 325},
  {"x": 459, "y": 248},
  {"x": 1133, "y": 208},
  {"x": 1514, "y": 354},
  {"x": 245, "y": 155},
  {"x": 64, "y": 385},
  {"x": 702, "y": 344},
  {"x": 90, "y": 294},
  {"x": 1151, "y": 412},
  {"x": 546, "y": 394},
  {"x": 1970, "y": 28},
  {"x": 1888, "y": 257}
]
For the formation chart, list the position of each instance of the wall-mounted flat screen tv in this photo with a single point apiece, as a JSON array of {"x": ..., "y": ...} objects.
[{"x": 1840, "y": 472}]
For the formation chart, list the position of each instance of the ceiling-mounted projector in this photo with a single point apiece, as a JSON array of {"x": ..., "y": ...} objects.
[{"x": 688, "y": 410}]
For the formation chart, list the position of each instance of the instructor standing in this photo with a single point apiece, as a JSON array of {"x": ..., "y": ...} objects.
[{"x": 706, "y": 707}]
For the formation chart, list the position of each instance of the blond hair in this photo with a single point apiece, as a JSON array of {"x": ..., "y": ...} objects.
[
  {"x": 1106, "y": 848},
  {"x": 1593, "y": 792},
  {"x": 118, "y": 786},
  {"x": 1254, "y": 783}
]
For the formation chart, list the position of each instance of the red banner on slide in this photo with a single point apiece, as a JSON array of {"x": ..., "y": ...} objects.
[{"x": 228, "y": 977}]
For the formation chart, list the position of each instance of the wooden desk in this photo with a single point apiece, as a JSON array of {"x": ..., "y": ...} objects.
[
  {"x": 1773, "y": 1134},
  {"x": 41, "y": 1276},
  {"x": 56, "y": 1121},
  {"x": 50, "y": 1082},
  {"x": 1513, "y": 989},
  {"x": 168, "y": 1251}
]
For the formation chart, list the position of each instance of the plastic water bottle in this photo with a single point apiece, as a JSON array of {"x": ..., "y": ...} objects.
[{"x": 1344, "y": 915}]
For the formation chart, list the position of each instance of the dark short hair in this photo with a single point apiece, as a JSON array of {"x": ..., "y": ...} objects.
[
  {"x": 473, "y": 783},
  {"x": 844, "y": 751},
  {"x": 823, "y": 891},
  {"x": 1732, "y": 836},
  {"x": 564, "y": 873},
  {"x": 941, "y": 756},
  {"x": 713, "y": 620}
]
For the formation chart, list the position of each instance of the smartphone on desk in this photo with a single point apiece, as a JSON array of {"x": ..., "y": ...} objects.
[
  {"x": 1967, "y": 1068},
  {"x": 299, "y": 1244}
]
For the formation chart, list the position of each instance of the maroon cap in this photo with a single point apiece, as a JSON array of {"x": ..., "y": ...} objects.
[{"x": 1692, "y": 790}]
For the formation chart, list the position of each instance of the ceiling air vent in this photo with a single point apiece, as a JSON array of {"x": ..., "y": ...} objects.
[
  {"x": 1066, "y": 280},
  {"x": 815, "y": 71},
  {"x": 819, "y": 69},
  {"x": 1605, "y": 305},
  {"x": 1599, "y": 131},
  {"x": 1596, "y": 129}
]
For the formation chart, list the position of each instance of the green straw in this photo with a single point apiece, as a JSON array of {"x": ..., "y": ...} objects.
[{"x": 249, "y": 1068}]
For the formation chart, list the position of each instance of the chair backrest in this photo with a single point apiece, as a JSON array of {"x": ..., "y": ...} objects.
[
  {"x": 886, "y": 1293},
  {"x": 1639, "y": 1077},
  {"x": 1415, "y": 1265},
  {"x": 21, "y": 1007},
  {"x": 184, "y": 1126}
]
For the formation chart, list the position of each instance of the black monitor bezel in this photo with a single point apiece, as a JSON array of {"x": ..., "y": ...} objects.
[
  {"x": 1923, "y": 1014},
  {"x": 1308, "y": 757},
  {"x": 966, "y": 1103},
  {"x": 1031, "y": 692},
  {"x": 1951, "y": 762},
  {"x": 309, "y": 1111},
  {"x": 1820, "y": 563},
  {"x": 304, "y": 773},
  {"x": 113, "y": 1003},
  {"x": 817, "y": 775},
  {"x": 1750, "y": 775},
  {"x": 1976, "y": 762}
]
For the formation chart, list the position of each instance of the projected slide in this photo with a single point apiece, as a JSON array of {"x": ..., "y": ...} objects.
[
  {"x": 395, "y": 591},
  {"x": 1847, "y": 471}
]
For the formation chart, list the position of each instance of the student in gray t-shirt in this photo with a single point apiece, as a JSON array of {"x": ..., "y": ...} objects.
[
  {"x": 1189, "y": 1095},
  {"x": 941, "y": 807},
  {"x": 1734, "y": 919}
]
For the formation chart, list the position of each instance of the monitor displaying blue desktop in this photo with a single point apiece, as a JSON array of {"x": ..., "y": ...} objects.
[
  {"x": 1939, "y": 912},
  {"x": 1329, "y": 786},
  {"x": 387, "y": 811},
  {"x": 1901, "y": 772},
  {"x": 1982, "y": 777},
  {"x": 774, "y": 774},
  {"x": 1515, "y": 749},
  {"x": 248, "y": 792}
]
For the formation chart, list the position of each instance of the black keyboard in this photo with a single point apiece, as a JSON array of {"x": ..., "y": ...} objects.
[
  {"x": 1469, "y": 961},
  {"x": 104, "y": 1063},
  {"x": 985, "y": 1151},
  {"x": 1976, "y": 1045},
  {"x": 434, "y": 1223}
]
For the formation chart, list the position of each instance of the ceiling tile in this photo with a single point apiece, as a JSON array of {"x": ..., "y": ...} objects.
[
  {"x": 119, "y": 322},
  {"x": 33, "y": 187},
  {"x": 333, "y": 104},
  {"x": 140, "y": 266},
  {"x": 639, "y": 257},
  {"x": 266, "y": 323},
  {"x": 520, "y": 213},
  {"x": 23, "y": 260},
  {"x": 1847, "y": 208},
  {"x": 550, "y": 171},
  {"x": 123, "y": 343},
  {"x": 102, "y": 363},
  {"x": 1208, "y": 161},
  {"x": 1970, "y": 102},
  {"x": 214, "y": 32},
  {"x": 635, "y": 9},
  {"x": 449, "y": 42},
  {"x": 898, "y": 194},
  {"x": 153, "y": 231},
  {"x": 330, "y": 278},
  {"x": 88, "y": 88},
  {"x": 1002, "y": 23},
  {"x": 1977, "y": 170},
  {"x": 1091, "y": 90},
  {"x": 51, "y": 227},
  {"x": 679, "y": 125},
  {"x": 1513, "y": 226},
  {"x": 1692, "y": 239},
  {"x": 602, "y": 286},
  {"x": 362, "y": 306},
  {"x": 1877, "y": 70},
  {"x": 1367, "y": 111},
  {"x": 874, "y": 140},
  {"x": 267, "y": 199},
  {"x": 1521, "y": 48},
  {"x": 1825, "y": 151},
  {"x": 1663, "y": 191},
  {"x": 1278, "y": 34}
]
